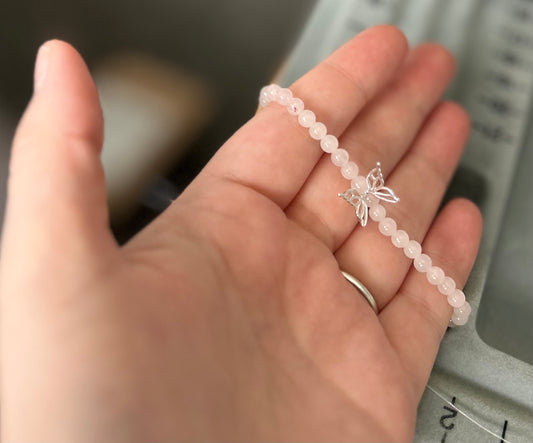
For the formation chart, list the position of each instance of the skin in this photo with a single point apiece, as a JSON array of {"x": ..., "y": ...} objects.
[{"x": 227, "y": 318}]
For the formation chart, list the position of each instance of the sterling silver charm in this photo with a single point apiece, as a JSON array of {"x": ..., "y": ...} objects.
[{"x": 362, "y": 197}]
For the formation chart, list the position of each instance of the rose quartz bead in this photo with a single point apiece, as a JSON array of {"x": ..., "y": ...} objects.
[
  {"x": 456, "y": 299},
  {"x": 359, "y": 184},
  {"x": 377, "y": 213},
  {"x": 387, "y": 226},
  {"x": 284, "y": 95},
  {"x": 435, "y": 275},
  {"x": 264, "y": 99},
  {"x": 272, "y": 91},
  {"x": 349, "y": 170},
  {"x": 329, "y": 143},
  {"x": 317, "y": 130},
  {"x": 461, "y": 314},
  {"x": 400, "y": 238},
  {"x": 306, "y": 118},
  {"x": 295, "y": 106},
  {"x": 412, "y": 249},
  {"x": 340, "y": 157},
  {"x": 371, "y": 200},
  {"x": 422, "y": 263},
  {"x": 459, "y": 321},
  {"x": 447, "y": 286},
  {"x": 464, "y": 309}
]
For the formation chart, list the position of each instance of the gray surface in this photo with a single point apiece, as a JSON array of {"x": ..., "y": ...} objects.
[
  {"x": 505, "y": 318},
  {"x": 492, "y": 42}
]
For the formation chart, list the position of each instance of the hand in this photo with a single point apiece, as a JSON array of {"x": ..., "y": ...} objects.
[{"x": 227, "y": 318}]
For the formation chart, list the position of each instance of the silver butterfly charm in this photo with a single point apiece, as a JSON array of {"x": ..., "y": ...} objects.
[{"x": 376, "y": 191}]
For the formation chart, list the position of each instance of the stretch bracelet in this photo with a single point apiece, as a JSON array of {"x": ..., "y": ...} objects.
[{"x": 365, "y": 194}]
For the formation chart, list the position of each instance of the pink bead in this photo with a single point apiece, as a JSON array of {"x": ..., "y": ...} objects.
[
  {"x": 461, "y": 314},
  {"x": 284, "y": 95},
  {"x": 459, "y": 321},
  {"x": 412, "y": 249},
  {"x": 464, "y": 309},
  {"x": 264, "y": 99},
  {"x": 272, "y": 91},
  {"x": 435, "y": 275},
  {"x": 340, "y": 157},
  {"x": 359, "y": 184},
  {"x": 387, "y": 226},
  {"x": 306, "y": 118},
  {"x": 456, "y": 299},
  {"x": 400, "y": 238},
  {"x": 377, "y": 213},
  {"x": 295, "y": 106},
  {"x": 422, "y": 263},
  {"x": 371, "y": 200},
  {"x": 447, "y": 286},
  {"x": 349, "y": 170},
  {"x": 329, "y": 143},
  {"x": 317, "y": 130}
]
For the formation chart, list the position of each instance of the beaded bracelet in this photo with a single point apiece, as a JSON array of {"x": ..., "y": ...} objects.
[{"x": 365, "y": 194}]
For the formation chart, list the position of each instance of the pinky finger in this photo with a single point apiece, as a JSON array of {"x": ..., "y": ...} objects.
[{"x": 417, "y": 317}]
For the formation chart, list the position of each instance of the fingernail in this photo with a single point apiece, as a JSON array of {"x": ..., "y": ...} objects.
[{"x": 41, "y": 67}]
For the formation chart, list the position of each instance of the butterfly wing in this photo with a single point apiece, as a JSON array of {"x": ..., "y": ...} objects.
[
  {"x": 361, "y": 211},
  {"x": 386, "y": 194},
  {"x": 374, "y": 179},
  {"x": 349, "y": 195}
]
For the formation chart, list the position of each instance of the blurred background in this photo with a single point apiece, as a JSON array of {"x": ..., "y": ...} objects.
[{"x": 176, "y": 79}]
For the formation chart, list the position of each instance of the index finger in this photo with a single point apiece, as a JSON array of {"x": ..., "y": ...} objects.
[{"x": 272, "y": 153}]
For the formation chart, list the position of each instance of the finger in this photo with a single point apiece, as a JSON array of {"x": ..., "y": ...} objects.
[
  {"x": 56, "y": 184},
  {"x": 383, "y": 132},
  {"x": 272, "y": 153},
  {"x": 416, "y": 318},
  {"x": 420, "y": 180}
]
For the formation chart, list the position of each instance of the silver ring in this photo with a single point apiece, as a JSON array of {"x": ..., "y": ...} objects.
[{"x": 362, "y": 290}]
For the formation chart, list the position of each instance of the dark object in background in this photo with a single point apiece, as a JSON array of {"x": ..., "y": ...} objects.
[
  {"x": 234, "y": 45},
  {"x": 152, "y": 111}
]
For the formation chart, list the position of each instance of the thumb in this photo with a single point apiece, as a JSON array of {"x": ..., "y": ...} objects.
[{"x": 56, "y": 188}]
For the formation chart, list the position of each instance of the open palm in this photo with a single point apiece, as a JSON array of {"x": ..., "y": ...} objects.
[{"x": 228, "y": 318}]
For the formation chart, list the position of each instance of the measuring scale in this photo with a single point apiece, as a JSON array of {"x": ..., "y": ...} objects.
[{"x": 492, "y": 41}]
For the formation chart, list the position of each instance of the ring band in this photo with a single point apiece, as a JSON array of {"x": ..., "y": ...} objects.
[{"x": 362, "y": 290}]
